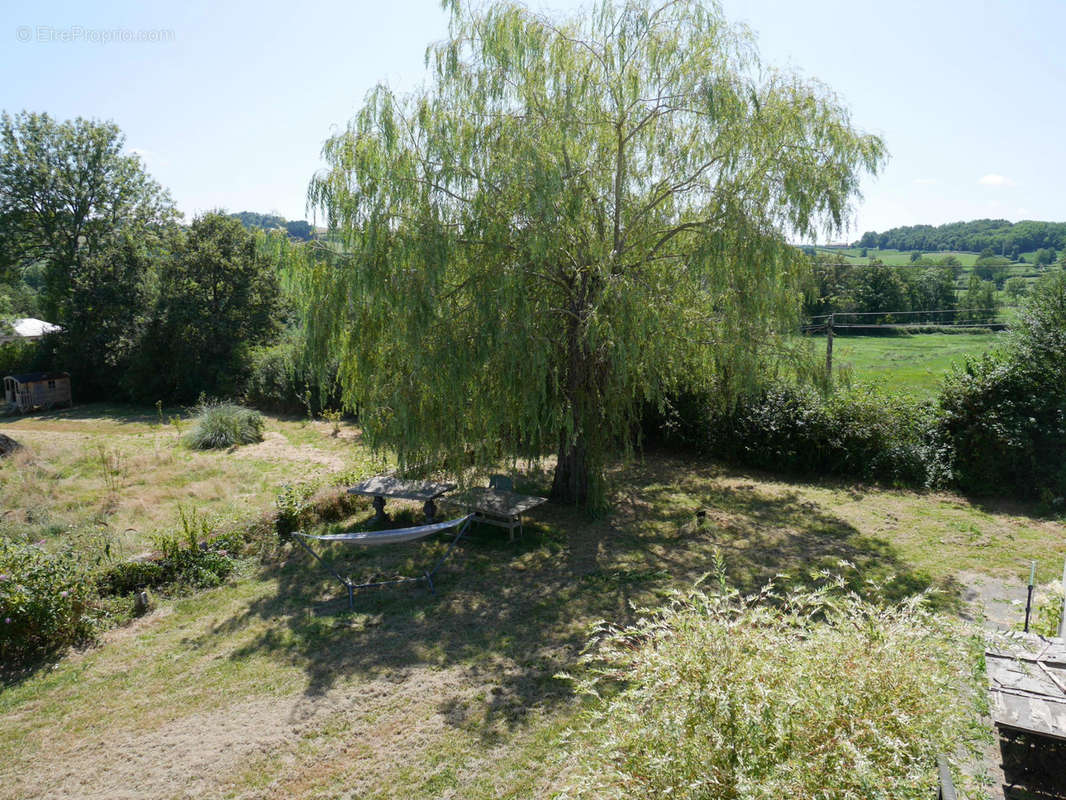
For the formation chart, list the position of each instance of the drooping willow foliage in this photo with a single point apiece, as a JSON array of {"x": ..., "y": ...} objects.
[{"x": 573, "y": 216}]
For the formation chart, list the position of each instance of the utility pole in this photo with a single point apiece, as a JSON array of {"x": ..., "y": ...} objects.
[
  {"x": 1062, "y": 620},
  {"x": 829, "y": 348}
]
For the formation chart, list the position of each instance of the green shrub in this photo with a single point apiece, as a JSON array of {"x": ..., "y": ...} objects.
[
  {"x": 275, "y": 380},
  {"x": 1003, "y": 418},
  {"x": 126, "y": 577},
  {"x": 308, "y": 504},
  {"x": 220, "y": 424},
  {"x": 293, "y": 503},
  {"x": 198, "y": 567},
  {"x": 1047, "y": 609},
  {"x": 858, "y": 432},
  {"x": 815, "y": 695},
  {"x": 279, "y": 376},
  {"x": 193, "y": 557},
  {"x": 44, "y": 603}
]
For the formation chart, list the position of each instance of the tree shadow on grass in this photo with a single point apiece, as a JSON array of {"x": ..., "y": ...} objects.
[
  {"x": 1032, "y": 766},
  {"x": 117, "y": 413},
  {"x": 510, "y": 616}
]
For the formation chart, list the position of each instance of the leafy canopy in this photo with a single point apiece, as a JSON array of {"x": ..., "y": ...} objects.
[
  {"x": 575, "y": 215},
  {"x": 1003, "y": 416},
  {"x": 218, "y": 295},
  {"x": 66, "y": 189}
]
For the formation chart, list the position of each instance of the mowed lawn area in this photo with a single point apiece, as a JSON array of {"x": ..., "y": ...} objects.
[
  {"x": 268, "y": 687},
  {"x": 912, "y": 364}
]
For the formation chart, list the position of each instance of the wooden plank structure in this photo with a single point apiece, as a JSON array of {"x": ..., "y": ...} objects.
[
  {"x": 37, "y": 390},
  {"x": 1027, "y": 683},
  {"x": 381, "y": 486},
  {"x": 498, "y": 507}
]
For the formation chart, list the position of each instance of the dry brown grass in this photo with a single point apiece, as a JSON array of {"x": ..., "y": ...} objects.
[{"x": 122, "y": 476}]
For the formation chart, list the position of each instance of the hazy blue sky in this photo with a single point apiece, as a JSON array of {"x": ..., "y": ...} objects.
[{"x": 231, "y": 109}]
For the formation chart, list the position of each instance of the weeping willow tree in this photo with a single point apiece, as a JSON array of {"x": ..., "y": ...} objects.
[{"x": 570, "y": 218}]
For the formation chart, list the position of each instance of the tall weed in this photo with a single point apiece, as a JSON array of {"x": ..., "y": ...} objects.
[{"x": 808, "y": 695}]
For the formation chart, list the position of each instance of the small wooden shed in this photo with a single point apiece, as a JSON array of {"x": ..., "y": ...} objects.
[{"x": 37, "y": 390}]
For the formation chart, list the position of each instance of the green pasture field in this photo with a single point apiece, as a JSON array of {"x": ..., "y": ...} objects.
[
  {"x": 913, "y": 364},
  {"x": 895, "y": 258}
]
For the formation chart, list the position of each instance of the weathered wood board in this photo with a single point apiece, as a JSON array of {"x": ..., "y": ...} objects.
[
  {"x": 497, "y": 502},
  {"x": 388, "y": 486},
  {"x": 1027, "y": 684}
]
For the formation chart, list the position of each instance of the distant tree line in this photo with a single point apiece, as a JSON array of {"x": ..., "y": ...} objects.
[
  {"x": 298, "y": 228},
  {"x": 998, "y": 236},
  {"x": 876, "y": 289}
]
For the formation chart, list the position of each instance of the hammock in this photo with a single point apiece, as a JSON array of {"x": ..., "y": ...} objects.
[{"x": 387, "y": 537}]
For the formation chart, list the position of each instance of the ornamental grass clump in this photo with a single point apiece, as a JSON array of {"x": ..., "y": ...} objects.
[
  {"x": 220, "y": 425},
  {"x": 817, "y": 694}
]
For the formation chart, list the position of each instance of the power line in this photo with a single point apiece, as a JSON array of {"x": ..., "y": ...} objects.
[
  {"x": 905, "y": 313},
  {"x": 963, "y": 318},
  {"x": 966, "y": 323}
]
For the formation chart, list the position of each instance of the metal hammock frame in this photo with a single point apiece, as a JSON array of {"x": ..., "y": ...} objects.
[{"x": 394, "y": 536}]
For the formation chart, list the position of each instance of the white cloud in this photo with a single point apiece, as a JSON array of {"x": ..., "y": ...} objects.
[
  {"x": 926, "y": 181},
  {"x": 992, "y": 179}
]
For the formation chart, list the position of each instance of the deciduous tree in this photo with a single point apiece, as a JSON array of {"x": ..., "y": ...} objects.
[
  {"x": 66, "y": 188},
  {"x": 576, "y": 215},
  {"x": 218, "y": 296}
]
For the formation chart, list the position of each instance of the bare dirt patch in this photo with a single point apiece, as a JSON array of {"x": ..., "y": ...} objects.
[
  {"x": 1000, "y": 602},
  {"x": 275, "y": 447}
]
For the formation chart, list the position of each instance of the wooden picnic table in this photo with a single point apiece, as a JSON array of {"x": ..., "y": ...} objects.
[
  {"x": 498, "y": 507},
  {"x": 381, "y": 486}
]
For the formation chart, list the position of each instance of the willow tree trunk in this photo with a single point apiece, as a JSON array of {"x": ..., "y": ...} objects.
[
  {"x": 573, "y": 467},
  {"x": 571, "y": 482}
]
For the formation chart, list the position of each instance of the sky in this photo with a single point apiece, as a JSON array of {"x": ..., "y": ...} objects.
[{"x": 229, "y": 103}]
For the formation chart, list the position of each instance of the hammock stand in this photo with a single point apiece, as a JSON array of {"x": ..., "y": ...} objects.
[{"x": 368, "y": 538}]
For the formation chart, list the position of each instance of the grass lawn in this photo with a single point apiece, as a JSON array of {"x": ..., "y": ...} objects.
[
  {"x": 913, "y": 364},
  {"x": 268, "y": 687},
  {"x": 115, "y": 472}
]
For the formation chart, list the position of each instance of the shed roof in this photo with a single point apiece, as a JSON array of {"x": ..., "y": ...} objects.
[
  {"x": 33, "y": 377},
  {"x": 27, "y": 328},
  {"x": 32, "y": 328}
]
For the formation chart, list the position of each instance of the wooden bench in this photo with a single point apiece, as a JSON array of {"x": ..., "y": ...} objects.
[{"x": 499, "y": 507}]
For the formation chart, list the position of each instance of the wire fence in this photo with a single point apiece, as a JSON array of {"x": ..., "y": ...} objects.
[{"x": 856, "y": 321}]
